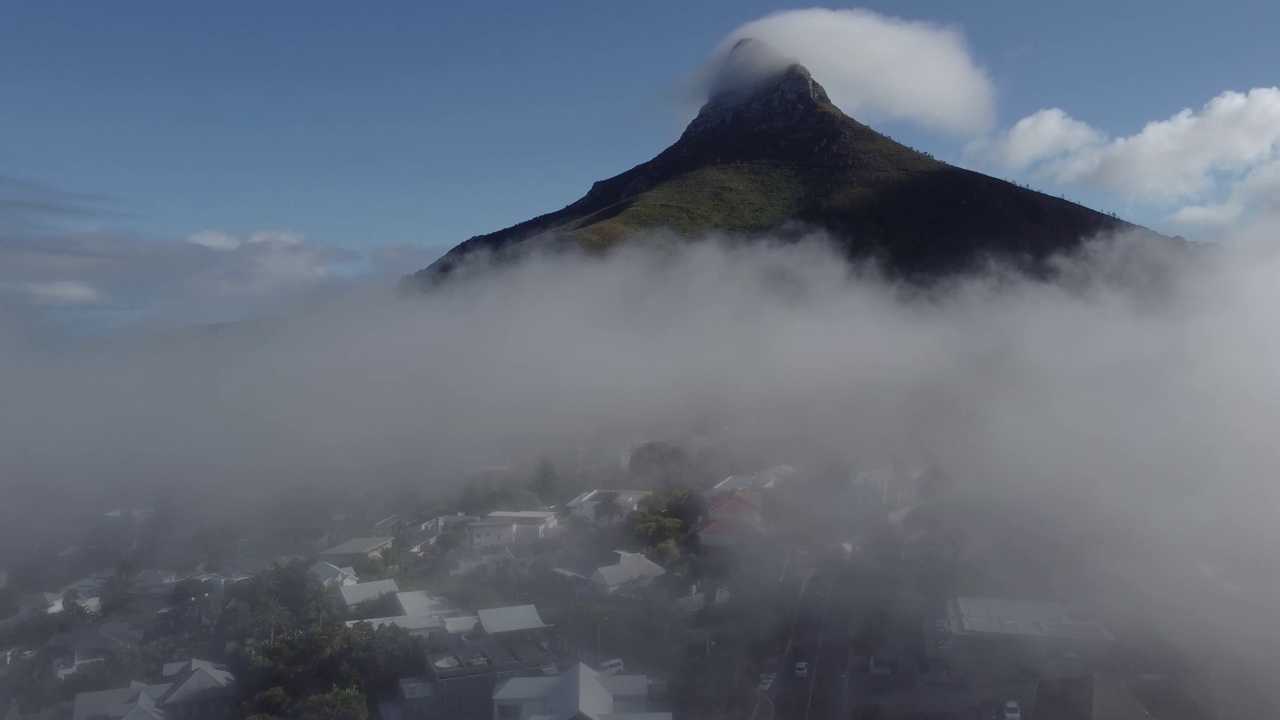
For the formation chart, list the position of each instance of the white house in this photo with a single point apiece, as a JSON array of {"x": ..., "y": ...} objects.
[
  {"x": 331, "y": 575},
  {"x": 584, "y": 506},
  {"x": 483, "y": 533},
  {"x": 353, "y": 595},
  {"x": 579, "y": 692},
  {"x": 531, "y": 525},
  {"x": 632, "y": 569}
]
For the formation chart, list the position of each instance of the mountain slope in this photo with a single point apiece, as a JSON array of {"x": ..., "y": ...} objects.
[{"x": 769, "y": 152}]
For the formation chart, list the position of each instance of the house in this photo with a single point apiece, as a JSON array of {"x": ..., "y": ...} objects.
[
  {"x": 729, "y": 531},
  {"x": 72, "y": 650},
  {"x": 420, "y": 626},
  {"x": 632, "y": 569},
  {"x": 1039, "y": 625},
  {"x": 192, "y": 690},
  {"x": 689, "y": 597},
  {"x": 386, "y": 527},
  {"x": 513, "y": 623},
  {"x": 584, "y": 506},
  {"x": 421, "y": 602},
  {"x": 330, "y": 575},
  {"x": 733, "y": 520},
  {"x": 198, "y": 690},
  {"x": 352, "y": 595},
  {"x": 579, "y": 692},
  {"x": 531, "y": 525},
  {"x": 154, "y": 580},
  {"x": 136, "y": 702},
  {"x": 41, "y": 603},
  {"x": 349, "y": 552},
  {"x": 459, "y": 685},
  {"x": 735, "y": 482},
  {"x": 482, "y": 533},
  {"x": 737, "y": 504}
]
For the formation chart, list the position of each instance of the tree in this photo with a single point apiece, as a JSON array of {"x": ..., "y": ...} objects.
[
  {"x": 653, "y": 530},
  {"x": 272, "y": 617},
  {"x": 337, "y": 704},
  {"x": 546, "y": 481},
  {"x": 659, "y": 461},
  {"x": 322, "y": 604},
  {"x": 608, "y": 506}
]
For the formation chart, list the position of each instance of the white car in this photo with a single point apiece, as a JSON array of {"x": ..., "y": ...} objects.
[
  {"x": 802, "y": 669},
  {"x": 1012, "y": 711}
]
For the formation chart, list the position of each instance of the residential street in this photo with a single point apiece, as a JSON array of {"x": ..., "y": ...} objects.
[{"x": 820, "y": 638}]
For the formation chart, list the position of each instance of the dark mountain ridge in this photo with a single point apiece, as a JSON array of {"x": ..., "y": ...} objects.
[{"x": 770, "y": 153}]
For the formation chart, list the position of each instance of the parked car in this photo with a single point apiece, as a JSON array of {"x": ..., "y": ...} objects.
[
  {"x": 802, "y": 669},
  {"x": 941, "y": 625},
  {"x": 944, "y": 644},
  {"x": 611, "y": 667},
  {"x": 1012, "y": 711}
]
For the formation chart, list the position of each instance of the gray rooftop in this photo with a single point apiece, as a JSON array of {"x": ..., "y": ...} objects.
[
  {"x": 1027, "y": 618},
  {"x": 358, "y": 593},
  {"x": 357, "y": 546},
  {"x": 510, "y": 619}
]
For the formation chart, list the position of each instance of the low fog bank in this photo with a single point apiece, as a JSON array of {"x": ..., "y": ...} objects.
[{"x": 1152, "y": 401}]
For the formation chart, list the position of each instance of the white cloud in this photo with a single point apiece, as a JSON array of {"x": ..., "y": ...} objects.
[
  {"x": 1212, "y": 214},
  {"x": 880, "y": 68},
  {"x": 1035, "y": 138},
  {"x": 214, "y": 240},
  {"x": 285, "y": 237},
  {"x": 265, "y": 263},
  {"x": 1207, "y": 167},
  {"x": 1177, "y": 158},
  {"x": 61, "y": 292}
]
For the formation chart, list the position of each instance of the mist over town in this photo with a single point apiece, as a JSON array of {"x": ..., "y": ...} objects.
[{"x": 794, "y": 420}]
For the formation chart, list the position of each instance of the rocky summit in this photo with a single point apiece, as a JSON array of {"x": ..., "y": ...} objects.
[{"x": 769, "y": 154}]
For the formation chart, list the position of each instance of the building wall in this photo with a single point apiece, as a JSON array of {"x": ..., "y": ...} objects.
[{"x": 485, "y": 535}]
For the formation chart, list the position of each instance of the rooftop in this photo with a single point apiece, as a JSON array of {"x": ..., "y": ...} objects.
[
  {"x": 531, "y": 514},
  {"x": 511, "y": 619},
  {"x": 408, "y": 622},
  {"x": 492, "y": 658},
  {"x": 358, "y": 593},
  {"x": 421, "y": 602},
  {"x": 1027, "y": 618},
  {"x": 358, "y": 545},
  {"x": 630, "y": 568},
  {"x": 579, "y": 692}
]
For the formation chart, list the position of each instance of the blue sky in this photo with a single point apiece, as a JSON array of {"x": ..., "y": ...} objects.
[{"x": 414, "y": 124}]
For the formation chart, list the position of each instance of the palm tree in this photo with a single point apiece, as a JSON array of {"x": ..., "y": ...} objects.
[
  {"x": 322, "y": 604},
  {"x": 273, "y": 617},
  {"x": 608, "y": 507}
]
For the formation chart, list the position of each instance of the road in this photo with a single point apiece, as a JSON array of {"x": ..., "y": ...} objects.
[{"x": 820, "y": 637}]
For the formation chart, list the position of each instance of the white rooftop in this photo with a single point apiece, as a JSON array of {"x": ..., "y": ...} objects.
[
  {"x": 421, "y": 602},
  {"x": 510, "y": 619},
  {"x": 358, "y": 593}
]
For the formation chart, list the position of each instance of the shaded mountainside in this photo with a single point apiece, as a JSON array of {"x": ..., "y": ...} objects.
[{"x": 774, "y": 155}]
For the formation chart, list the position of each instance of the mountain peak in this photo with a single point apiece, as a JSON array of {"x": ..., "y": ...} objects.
[
  {"x": 758, "y": 84},
  {"x": 769, "y": 154}
]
